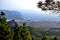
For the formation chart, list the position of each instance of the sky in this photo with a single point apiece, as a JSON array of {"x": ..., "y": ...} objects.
[
  {"x": 19, "y": 4},
  {"x": 24, "y": 5}
]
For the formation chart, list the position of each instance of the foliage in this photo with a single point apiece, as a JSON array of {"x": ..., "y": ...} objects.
[
  {"x": 33, "y": 38},
  {"x": 2, "y": 14},
  {"x": 50, "y": 5},
  {"x": 55, "y": 38},
  {"x": 25, "y": 33},
  {"x": 17, "y": 33},
  {"x": 5, "y": 32},
  {"x": 45, "y": 37},
  {"x": 40, "y": 32},
  {"x": 21, "y": 33}
]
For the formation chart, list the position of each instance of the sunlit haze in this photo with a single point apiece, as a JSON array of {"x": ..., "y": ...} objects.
[{"x": 19, "y": 4}]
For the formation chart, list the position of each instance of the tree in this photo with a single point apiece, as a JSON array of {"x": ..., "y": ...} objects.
[
  {"x": 45, "y": 37},
  {"x": 33, "y": 38},
  {"x": 25, "y": 33},
  {"x": 17, "y": 33},
  {"x": 50, "y": 5},
  {"x": 2, "y": 14},
  {"x": 55, "y": 38},
  {"x": 48, "y": 0},
  {"x": 5, "y": 32},
  {"x": 40, "y": 4},
  {"x": 20, "y": 33}
]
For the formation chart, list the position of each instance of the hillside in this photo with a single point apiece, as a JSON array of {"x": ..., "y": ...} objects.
[
  {"x": 38, "y": 32},
  {"x": 10, "y": 15}
]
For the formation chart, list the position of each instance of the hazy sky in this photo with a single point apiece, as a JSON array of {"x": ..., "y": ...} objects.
[{"x": 19, "y": 4}]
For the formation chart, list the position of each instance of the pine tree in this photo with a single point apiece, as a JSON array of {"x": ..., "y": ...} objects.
[
  {"x": 25, "y": 33},
  {"x": 55, "y": 38},
  {"x": 33, "y": 38},
  {"x": 48, "y": 0},
  {"x": 45, "y": 37},
  {"x": 17, "y": 33},
  {"x": 5, "y": 32}
]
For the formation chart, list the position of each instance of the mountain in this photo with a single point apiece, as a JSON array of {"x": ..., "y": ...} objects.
[
  {"x": 32, "y": 19},
  {"x": 39, "y": 15},
  {"x": 10, "y": 15},
  {"x": 31, "y": 15}
]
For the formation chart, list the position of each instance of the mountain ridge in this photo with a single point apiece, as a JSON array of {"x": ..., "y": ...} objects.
[
  {"x": 12, "y": 15},
  {"x": 30, "y": 15}
]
